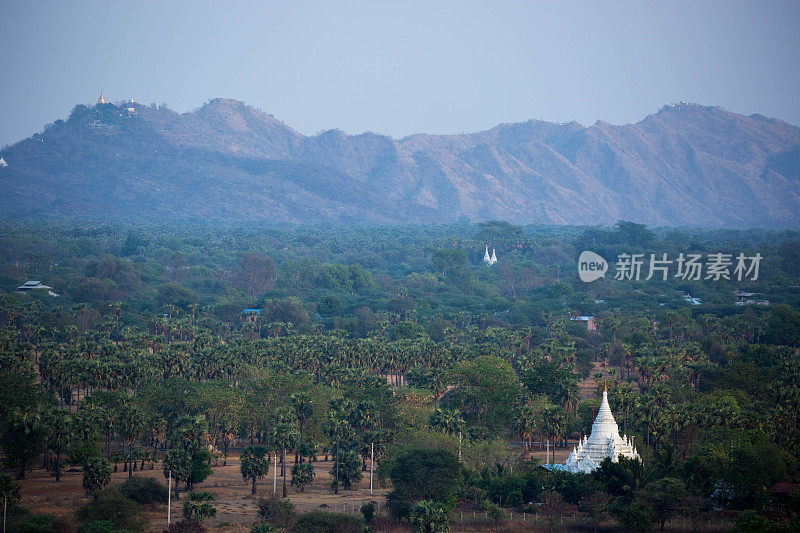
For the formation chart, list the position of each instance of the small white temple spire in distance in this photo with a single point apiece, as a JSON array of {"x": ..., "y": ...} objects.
[
  {"x": 605, "y": 441},
  {"x": 487, "y": 259}
]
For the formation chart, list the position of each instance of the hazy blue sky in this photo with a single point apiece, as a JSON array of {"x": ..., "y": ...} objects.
[{"x": 400, "y": 67}]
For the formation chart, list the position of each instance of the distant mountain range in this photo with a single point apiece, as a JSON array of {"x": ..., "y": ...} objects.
[{"x": 685, "y": 165}]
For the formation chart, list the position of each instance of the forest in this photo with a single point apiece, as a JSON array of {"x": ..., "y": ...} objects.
[{"x": 328, "y": 357}]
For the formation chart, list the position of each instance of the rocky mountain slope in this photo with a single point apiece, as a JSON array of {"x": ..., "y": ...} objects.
[{"x": 685, "y": 165}]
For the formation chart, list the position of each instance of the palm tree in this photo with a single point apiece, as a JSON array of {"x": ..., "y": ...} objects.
[
  {"x": 129, "y": 421},
  {"x": 24, "y": 437},
  {"x": 59, "y": 424},
  {"x": 337, "y": 427},
  {"x": 303, "y": 410},
  {"x": 284, "y": 435},
  {"x": 255, "y": 464},
  {"x": 525, "y": 425}
]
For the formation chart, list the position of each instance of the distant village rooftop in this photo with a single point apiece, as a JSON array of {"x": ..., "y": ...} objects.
[{"x": 33, "y": 285}]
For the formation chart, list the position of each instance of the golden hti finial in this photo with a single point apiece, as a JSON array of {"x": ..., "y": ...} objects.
[{"x": 102, "y": 99}]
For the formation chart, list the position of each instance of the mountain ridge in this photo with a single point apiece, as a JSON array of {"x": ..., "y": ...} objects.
[{"x": 687, "y": 164}]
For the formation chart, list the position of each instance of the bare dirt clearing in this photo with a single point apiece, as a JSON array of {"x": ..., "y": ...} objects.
[{"x": 236, "y": 507}]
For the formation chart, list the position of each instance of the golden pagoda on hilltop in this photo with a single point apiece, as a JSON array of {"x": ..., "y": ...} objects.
[{"x": 102, "y": 99}]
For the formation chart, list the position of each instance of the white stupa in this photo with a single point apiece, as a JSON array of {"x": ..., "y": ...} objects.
[
  {"x": 604, "y": 441},
  {"x": 3, "y": 162},
  {"x": 489, "y": 260}
]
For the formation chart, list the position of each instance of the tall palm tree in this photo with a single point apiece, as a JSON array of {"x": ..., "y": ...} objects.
[
  {"x": 60, "y": 433},
  {"x": 284, "y": 435},
  {"x": 337, "y": 427},
  {"x": 303, "y": 410},
  {"x": 130, "y": 422}
]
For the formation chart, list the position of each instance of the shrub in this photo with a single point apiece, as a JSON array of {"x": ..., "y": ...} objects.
[
  {"x": 422, "y": 475},
  {"x": 429, "y": 517},
  {"x": 302, "y": 475},
  {"x": 144, "y": 490},
  {"x": 186, "y": 526},
  {"x": 96, "y": 474},
  {"x": 751, "y": 522},
  {"x": 80, "y": 451},
  {"x": 276, "y": 511},
  {"x": 635, "y": 517},
  {"x": 263, "y": 528},
  {"x": 100, "y": 526},
  {"x": 34, "y": 524},
  {"x": 368, "y": 511},
  {"x": 112, "y": 505},
  {"x": 324, "y": 522},
  {"x": 349, "y": 469},
  {"x": 198, "y": 506}
]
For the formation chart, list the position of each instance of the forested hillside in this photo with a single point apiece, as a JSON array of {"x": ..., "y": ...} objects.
[
  {"x": 685, "y": 165},
  {"x": 196, "y": 345}
]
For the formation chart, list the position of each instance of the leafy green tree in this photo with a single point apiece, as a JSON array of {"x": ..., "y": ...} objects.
[
  {"x": 256, "y": 273},
  {"x": 9, "y": 492},
  {"x": 783, "y": 326},
  {"x": 486, "y": 391},
  {"x": 666, "y": 498},
  {"x": 23, "y": 438},
  {"x": 192, "y": 460},
  {"x": 596, "y": 506},
  {"x": 448, "y": 420},
  {"x": 634, "y": 517},
  {"x": 254, "y": 464},
  {"x": 302, "y": 475},
  {"x": 621, "y": 479},
  {"x": 96, "y": 474},
  {"x": 550, "y": 379},
  {"x": 422, "y": 475},
  {"x": 347, "y": 469},
  {"x": 552, "y": 507},
  {"x": 178, "y": 464}
]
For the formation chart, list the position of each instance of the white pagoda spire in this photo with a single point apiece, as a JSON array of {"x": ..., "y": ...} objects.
[
  {"x": 3, "y": 162},
  {"x": 605, "y": 441},
  {"x": 493, "y": 260},
  {"x": 486, "y": 258}
]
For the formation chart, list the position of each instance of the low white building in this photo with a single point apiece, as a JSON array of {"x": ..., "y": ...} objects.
[
  {"x": 604, "y": 441},
  {"x": 36, "y": 286}
]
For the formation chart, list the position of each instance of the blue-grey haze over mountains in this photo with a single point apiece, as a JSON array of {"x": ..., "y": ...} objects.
[
  {"x": 398, "y": 68},
  {"x": 685, "y": 165}
]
